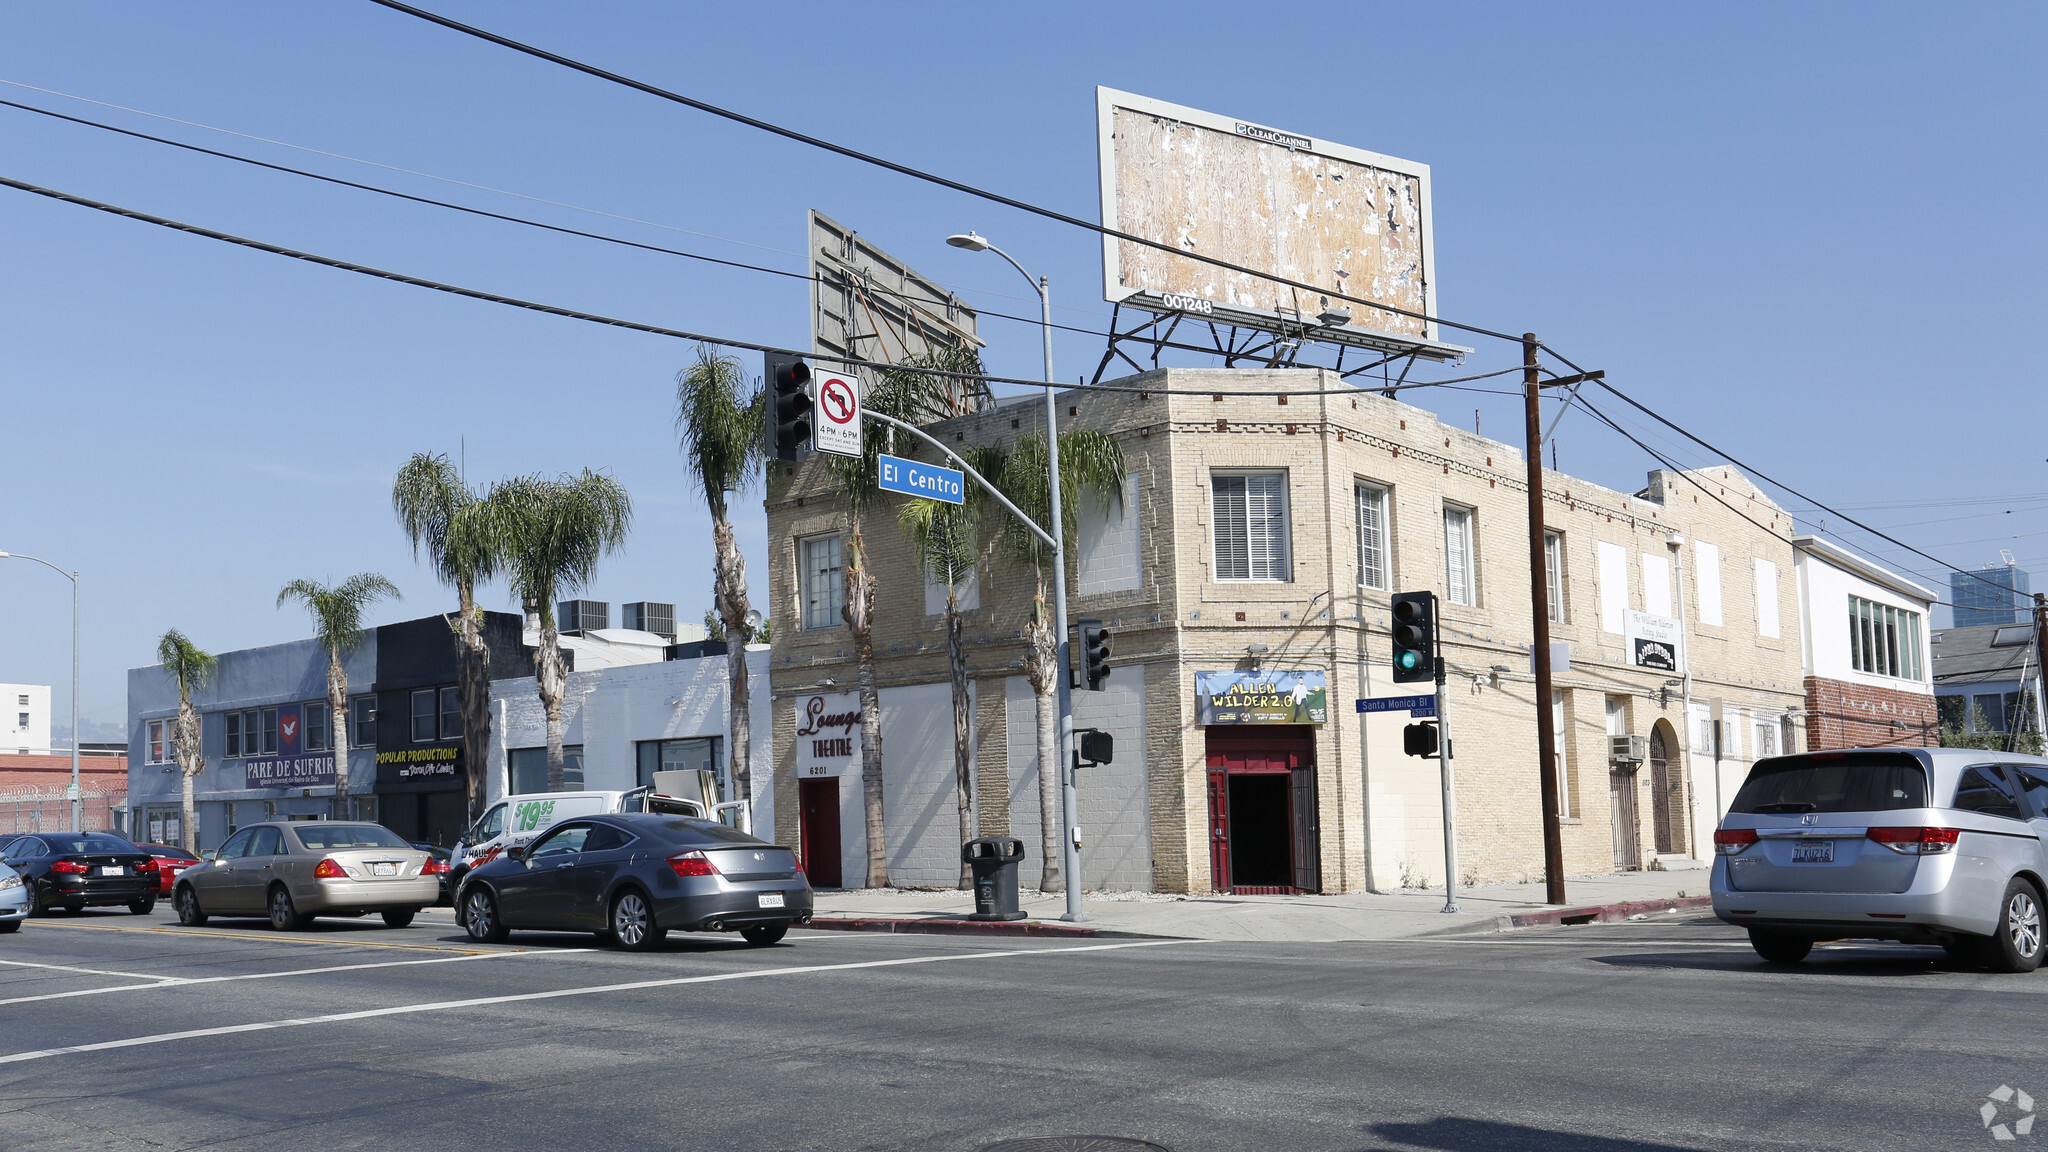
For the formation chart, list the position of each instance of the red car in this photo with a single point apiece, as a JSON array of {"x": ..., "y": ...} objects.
[{"x": 169, "y": 862}]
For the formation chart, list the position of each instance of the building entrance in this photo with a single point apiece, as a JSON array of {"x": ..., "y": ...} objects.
[
  {"x": 1263, "y": 835},
  {"x": 818, "y": 830}
]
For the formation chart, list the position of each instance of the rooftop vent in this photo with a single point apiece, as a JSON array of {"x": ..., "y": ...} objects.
[
  {"x": 575, "y": 616},
  {"x": 647, "y": 616}
]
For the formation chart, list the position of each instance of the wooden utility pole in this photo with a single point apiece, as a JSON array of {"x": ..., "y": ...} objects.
[{"x": 1539, "y": 603}]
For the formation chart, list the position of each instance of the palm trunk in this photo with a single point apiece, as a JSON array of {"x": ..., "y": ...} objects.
[
  {"x": 1041, "y": 667},
  {"x": 473, "y": 680},
  {"x": 191, "y": 761},
  {"x": 337, "y": 714},
  {"x": 860, "y": 608},
  {"x": 963, "y": 762},
  {"x": 550, "y": 680},
  {"x": 730, "y": 593}
]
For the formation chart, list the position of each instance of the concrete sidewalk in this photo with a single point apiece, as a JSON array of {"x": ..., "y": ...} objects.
[{"x": 1362, "y": 916}]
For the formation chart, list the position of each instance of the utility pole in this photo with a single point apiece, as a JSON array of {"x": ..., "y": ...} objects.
[
  {"x": 1539, "y": 601},
  {"x": 2040, "y": 662}
]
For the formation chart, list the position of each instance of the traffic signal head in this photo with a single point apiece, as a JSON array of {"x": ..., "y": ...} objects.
[
  {"x": 1414, "y": 637},
  {"x": 1094, "y": 654},
  {"x": 1095, "y": 746},
  {"x": 1419, "y": 739},
  {"x": 789, "y": 406}
]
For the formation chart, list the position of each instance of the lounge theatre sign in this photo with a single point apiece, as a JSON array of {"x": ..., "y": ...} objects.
[
  {"x": 827, "y": 734},
  {"x": 1268, "y": 697}
]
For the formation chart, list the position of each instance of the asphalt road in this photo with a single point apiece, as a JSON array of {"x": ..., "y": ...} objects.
[{"x": 127, "y": 1032}]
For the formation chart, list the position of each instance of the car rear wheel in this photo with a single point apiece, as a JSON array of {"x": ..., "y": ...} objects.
[
  {"x": 765, "y": 934},
  {"x": 480, "y": 917},
  {"x": 399, "y": 917},
  {"x": 632, "y": 922},
  {"x": 38, "y": 905},
  {"x": 144, "y": 906},
  {"x": 284, "y": 915},
  {"x": 1779, "y": 948},
  {"x": 186, "y": 902},
  {"x": 2016, "y": 946}
]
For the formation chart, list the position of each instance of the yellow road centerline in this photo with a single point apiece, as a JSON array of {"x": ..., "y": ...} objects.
[{"x": 332, "y": 943}]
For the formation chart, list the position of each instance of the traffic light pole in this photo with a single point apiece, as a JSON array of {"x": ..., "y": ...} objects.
[{"x": 1443, "y": 765}]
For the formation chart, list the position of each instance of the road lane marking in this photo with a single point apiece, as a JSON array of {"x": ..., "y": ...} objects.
[
  {"x": 254, "y": 935},
  {"x": 634, "y": 986},
  {"x": 87, "y": 971},
  {"x": 183, "y": 981}
]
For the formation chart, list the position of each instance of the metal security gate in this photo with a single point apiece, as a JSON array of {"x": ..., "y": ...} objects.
[{"x": 47, "y": 810}]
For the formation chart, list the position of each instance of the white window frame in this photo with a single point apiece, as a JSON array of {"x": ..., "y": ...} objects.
[
  {"x": 811, "y": 614},
  {"x": 1371, "y": 504},
  {"x": 1266, "y": 561},
  {"x": 157, "y": 736},
  {"x": 1562, "y": 765},
  {"x": 1461, "y": 536},
  {"x": 1884, "y": 640},
  {"x": 1766, "y": 577},
  {"x": 1553, "y": 571}
]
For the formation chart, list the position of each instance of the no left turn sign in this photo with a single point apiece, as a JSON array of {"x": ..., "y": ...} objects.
[{"x": 838, "y": 429}]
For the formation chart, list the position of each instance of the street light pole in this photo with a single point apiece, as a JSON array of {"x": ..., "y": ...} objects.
[
  {"x": 1070, "y": 801},
  {"x": 77, "y": 802}
]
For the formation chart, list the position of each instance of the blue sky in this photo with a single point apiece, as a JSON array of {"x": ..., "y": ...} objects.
[{"x": 1812, "y": 233}]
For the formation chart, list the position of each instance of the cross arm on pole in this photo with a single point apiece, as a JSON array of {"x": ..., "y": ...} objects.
[
  {"x": 1575, "y": 382},
  {"x": 978, "y": 478}
]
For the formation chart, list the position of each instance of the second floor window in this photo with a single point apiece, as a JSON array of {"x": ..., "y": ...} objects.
[
  {"x": 1883, "y": 640},
  {"x": 824, "y": 588},
  {"x": 1553, "y": 568},
  {"x": 424, "y": 714},
  {"x": 316, "y": 727},
  {"x": 451, "y": 714},
  {"x": 1251, "y": 526},
  {"x": 363, "y": 721},
  {"x": 1372, "y": 537},
  {"x": 1461, "y": 568}
]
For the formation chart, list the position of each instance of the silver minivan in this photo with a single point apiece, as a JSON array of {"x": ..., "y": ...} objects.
[{"x": 1922, "y": 845}]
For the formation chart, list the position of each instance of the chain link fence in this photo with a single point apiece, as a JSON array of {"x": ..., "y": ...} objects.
[{"x": 48, "y": 810}]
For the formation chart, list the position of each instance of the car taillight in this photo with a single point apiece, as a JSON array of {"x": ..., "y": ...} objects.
[
  {"x": 329, "y": 870},
  {"x": 692, "y": 864},
  {"x": 1729, "y": 841},
  {"x": 69, "y": 866},
  {"x": 1916, "y": 841},
  {"x": 146, "y": 866},
  {"x": 434, "y": 867}
]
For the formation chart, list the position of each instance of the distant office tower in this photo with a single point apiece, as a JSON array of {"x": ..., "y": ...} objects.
[{"x": 1999, "y": 594}]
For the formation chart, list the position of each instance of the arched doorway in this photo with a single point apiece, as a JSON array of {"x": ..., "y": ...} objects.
[{"x": 1667, "y": 793}]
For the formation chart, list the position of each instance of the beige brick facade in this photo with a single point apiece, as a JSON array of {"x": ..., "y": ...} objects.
[{"x": 1180, "y": 428}]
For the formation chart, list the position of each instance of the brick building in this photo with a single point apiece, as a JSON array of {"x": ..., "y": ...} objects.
[
  {"x": 1263, "y": 534},
  {"x": 1864, "y": 649}
]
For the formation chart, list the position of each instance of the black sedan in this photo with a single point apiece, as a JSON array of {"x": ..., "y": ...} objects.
[
  {"x": 74, "y": 871},
  {"x": 633, "y": 877}
]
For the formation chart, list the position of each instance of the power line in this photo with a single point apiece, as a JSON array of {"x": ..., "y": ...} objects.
[
  {"x": 652, "y": 329},
  {"x": 914, "y": 173}
]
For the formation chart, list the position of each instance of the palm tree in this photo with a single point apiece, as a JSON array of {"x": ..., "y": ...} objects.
[
  {"x": 192, "y": 667},
  {"x": 946, "y": 539},
  {"x": 338, "y": 626},
  {"x": 919, "y": 398},
  {"x": 719, "y": 422},
  {"x": 554, "y": 531},
  {"x": 1091, "y": 468},
  {"x": 443, "y": 515}
]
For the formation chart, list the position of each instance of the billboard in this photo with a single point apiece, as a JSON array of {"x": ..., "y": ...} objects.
[
  {"x": 1272, "y": 696},
  {"x": 868, "y": 305},
  {"x": 1302, "y": 209}
]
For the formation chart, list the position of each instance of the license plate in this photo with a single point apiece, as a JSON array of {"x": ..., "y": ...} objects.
[
  {"x": 112, "y": 870},
  {"x": 383, "y": 869},
  {"x": 771, "y": 899},
  {"x": 1814, "y": 852}
]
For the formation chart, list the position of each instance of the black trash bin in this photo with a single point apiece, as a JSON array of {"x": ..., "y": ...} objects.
[{"x": 994, "y": 860}]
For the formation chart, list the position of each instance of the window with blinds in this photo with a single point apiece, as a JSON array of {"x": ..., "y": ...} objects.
[
  {"x": 1553, "y": 567},
  {"x": 824, "y": 590},
  {"x": 1883, "y": 640},
  {"x": 1372, "y": 537},
  {"x": 1250, "y": 514},
  {"x": 1461, "y": 570}
]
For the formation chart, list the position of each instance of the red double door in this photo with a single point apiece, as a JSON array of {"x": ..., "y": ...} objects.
[
  {"x": 818, "y": 830},
  {"x": 1263, "y": 831}
]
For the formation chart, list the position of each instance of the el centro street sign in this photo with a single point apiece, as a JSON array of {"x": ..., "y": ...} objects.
[
  {"x": 836, "y": 412},
  {"x": 910, "y": 478}
]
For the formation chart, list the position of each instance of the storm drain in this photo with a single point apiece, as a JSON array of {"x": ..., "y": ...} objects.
[{"x": 1074, "y": 1144}]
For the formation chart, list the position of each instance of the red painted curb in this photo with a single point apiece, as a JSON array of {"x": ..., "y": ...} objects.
[
  {"x": 1603, "y": 913},
  {"x": 949, "y": 927}
]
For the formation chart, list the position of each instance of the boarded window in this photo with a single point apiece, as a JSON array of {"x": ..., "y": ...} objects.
[{"x": 1613, "y": 563}]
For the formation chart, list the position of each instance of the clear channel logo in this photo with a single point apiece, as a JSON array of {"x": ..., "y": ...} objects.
[{"x": 2008, "y": 1113}]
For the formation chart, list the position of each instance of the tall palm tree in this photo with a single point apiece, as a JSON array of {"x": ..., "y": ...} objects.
[
  {"x": 453, "y": 523},
  {"x": 338, "y": 626},
  {"x": 946, "y": 539},
  {"x": 191, "y": 667},
  {"x": 1091, "y": 468},
  {"x": 554, "y": 530},
  {"x": 919, "y": 398},
  {"x": 718, "y": 418}
]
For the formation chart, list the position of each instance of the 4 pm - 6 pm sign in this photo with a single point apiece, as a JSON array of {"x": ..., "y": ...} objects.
[{"x": 910, "y": 478}]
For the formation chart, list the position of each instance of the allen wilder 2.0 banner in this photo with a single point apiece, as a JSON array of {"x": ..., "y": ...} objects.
[{"x": 1270, "y": 697}]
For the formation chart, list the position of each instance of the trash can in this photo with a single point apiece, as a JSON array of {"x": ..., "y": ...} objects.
[{"x": 994, "y": 860}]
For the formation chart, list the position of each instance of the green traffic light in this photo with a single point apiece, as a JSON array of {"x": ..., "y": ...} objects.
[{"x": 1407, "y": 659}]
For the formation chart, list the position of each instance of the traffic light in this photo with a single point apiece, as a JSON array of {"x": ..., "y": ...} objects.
[
  {"x": 1094, "y": 745},
  {"x": 1414, "y": 637},
  {"x": 1094, "y": 654},
  {"x": 789, "y": 406},
  {"x": 1419, "y": 739}
]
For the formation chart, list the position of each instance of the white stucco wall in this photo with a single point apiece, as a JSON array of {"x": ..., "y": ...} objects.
[
  {"x": 1116, "y": 829},
  {"x": 34, "y": 736},
  {"x": 1824, "y": 591}
]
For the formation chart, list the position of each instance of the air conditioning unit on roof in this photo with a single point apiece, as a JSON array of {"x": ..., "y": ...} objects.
[{"x": 1628, "y": 749}]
